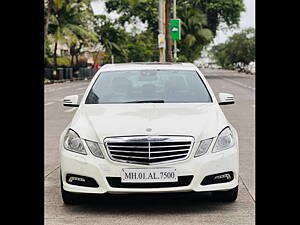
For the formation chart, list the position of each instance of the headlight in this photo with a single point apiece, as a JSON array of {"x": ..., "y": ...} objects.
[
  {"x": 224, "y": 141},
  {"x": 203, "y": 147},
  {"x": 94, "y": 148},
  {"x": 72, "y": 142}
]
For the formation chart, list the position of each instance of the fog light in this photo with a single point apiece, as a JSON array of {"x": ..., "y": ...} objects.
[
  {"x": 223, "y": 176},
  {"x": 81, "y": 180},
  {"x": 218, "y": 178},
  {"x": 71, "y": 179}
]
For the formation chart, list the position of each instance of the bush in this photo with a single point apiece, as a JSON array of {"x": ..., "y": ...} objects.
[
  {"x": 64, "y": 61},
  {"x": 61, "y": 61}
]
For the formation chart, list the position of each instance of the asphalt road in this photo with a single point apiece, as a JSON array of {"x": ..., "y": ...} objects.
[{"x": 164, "y": 209}]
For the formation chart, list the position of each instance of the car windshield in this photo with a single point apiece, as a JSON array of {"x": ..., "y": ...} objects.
[{"x": 148, "y": 86}]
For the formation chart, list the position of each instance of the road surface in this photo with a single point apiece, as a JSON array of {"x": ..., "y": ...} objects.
[{"x": 164, "y": 209}]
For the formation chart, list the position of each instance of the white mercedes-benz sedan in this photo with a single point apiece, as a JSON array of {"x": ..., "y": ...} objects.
[{"x": 149, "y": 128}]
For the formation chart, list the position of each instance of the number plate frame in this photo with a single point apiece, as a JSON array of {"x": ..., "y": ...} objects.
[{"x": 148, "y": 175}]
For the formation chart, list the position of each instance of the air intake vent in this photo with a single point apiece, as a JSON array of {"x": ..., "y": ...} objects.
[{"x": 115, "y": 182}]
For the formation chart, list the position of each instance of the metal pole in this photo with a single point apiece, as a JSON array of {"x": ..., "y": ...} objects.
[
  {"x": 175, "y": 44},
  {"x": 162, "y": 54}
]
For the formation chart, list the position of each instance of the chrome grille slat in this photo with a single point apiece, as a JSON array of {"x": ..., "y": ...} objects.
[
  {"x": 138, "y": 157},
  {"x": 160, "y": 146},
  {"x": 124, "y": 146},
  {"x": 178, "y": 150},
  {"x": 168, "y": 156},
  {"x": 170, "y": 146},
  {"x": 148, "y": 150},
  {"x": 128, "y": 151}
]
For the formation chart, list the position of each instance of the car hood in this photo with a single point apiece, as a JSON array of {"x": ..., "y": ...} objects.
[{"x": 200, "y": 120}]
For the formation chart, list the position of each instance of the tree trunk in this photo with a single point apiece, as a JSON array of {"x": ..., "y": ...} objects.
[
  {"x": 76, "y": 57},
  {"x": 55, "y": 58},
  {"x": 72, "y": 53},
  {"x": 168, "y": 32},
  {"x": 72, "y": 61},
  {"x": 77, "y": 54}
]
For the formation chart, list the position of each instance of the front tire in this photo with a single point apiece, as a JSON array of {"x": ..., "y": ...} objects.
[{"x": 226, "y": 196}]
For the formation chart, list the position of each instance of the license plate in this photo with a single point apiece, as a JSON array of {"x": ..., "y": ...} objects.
[{"x": 146, "y": 175}]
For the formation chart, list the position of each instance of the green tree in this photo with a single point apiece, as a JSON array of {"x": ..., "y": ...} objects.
[
  {"x": 195, "y": 35},
  {"x": 141, "y": 47},
  {"x": 240, "y": 47},
  {"x": 125, "y": 46},
  {"x": 130, "y": 10},
  {"x": 68, "y": 24},
  {"x": 201, "y": 19},
  {"x": 219, "y": 11},
  {"x": 112, "y": 37}
]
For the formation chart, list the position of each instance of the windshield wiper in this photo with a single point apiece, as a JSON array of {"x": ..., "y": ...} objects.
[{"x": 147, "y": 101}]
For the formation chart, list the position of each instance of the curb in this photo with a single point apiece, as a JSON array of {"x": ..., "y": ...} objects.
[{"x": 64, "y": 81}]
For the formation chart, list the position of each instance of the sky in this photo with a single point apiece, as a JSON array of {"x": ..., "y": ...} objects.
[{"x": 247, "y": 19}]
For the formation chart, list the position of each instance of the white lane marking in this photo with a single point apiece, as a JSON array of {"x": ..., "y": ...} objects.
[
  {"x": 70, "y": 110},
  {"x": 238, "y": 83},
  {"x": 49, "y": 103}
]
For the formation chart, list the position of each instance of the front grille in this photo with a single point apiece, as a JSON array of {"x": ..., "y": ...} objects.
[
  {"x": 115, "y": 182},
  {"x": 148, "y": 150}
]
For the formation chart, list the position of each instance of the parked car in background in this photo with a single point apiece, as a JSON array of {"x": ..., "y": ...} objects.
[
  {"x": 247, "y": 69},
  {"x": 250, "y": 68},
  {"x": 241, "y": 69}
]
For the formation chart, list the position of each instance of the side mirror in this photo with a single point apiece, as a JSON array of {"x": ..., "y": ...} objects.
[
  {"x": 226, "y": 99},
  {"x": 71, "y": 101}
]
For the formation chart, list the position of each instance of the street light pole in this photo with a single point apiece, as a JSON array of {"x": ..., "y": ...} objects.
[
  {"x": 175, "y": 44},
  {"x": 162, "y": 52}
]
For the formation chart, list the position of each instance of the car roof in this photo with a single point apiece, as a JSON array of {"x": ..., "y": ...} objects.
[{"x": 148, "y": 66}]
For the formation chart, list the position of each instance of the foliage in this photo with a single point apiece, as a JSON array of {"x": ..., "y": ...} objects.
[
  {"x": 142, "y": 49},
  {"x": 124, "y": 46},
  {"x": 73, "y": 23},
  {"x": 61, "y": 61},
  {"x": 68, "y": 23},
  {"x": 62, "y": 22},
  {"x": 238, "y": 48},
  {"x": 145, "y": 10},
  {"x": 110, "y": 36},
  {"x": 200, "y": 20},
  {"x": 219, "y": 11},
  {"x": 48, "y": 51},
  {"x": 195, "y": 35}
]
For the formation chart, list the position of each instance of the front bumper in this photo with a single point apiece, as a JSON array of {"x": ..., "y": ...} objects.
[{"x": 100, "y": 169}]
